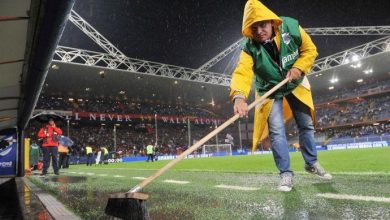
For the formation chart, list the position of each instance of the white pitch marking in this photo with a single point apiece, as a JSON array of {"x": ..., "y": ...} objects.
[
  {"x": 72, "y": 172},
  {"x": 80, "y": 172},
  {"x": 117, "y": 176},
  {"x": 176, "y": 181},
  {"x": 246, "y": 171},
  {"x": 237, "y": 187},
  {"x": 139, "y": 177},
  {"x": 354, "y": 197},
  {"x": 103, "y": 174},
  {"x": 90, "y": 174},
  {"x": 369, "y": 173}
]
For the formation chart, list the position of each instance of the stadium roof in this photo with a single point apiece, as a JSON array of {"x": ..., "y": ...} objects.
[
  {"x": 13, "y": 44},
  {"x": 374, "y": 67},
  {"x": 30, "y": 30},
  {"x": 189, "y": 33},
  {"x": 80, "y": 81},
  {"x": 138, "y": 37}
]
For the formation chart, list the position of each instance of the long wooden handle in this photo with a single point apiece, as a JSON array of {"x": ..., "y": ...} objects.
[{"x": 194, "y": 147}]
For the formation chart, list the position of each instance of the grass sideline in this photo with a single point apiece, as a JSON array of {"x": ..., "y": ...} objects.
[
  {"x": 85, "y": 189},
  {"x": 354, "y": 160}
]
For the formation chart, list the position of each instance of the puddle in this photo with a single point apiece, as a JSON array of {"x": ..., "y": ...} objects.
[
  {"x": 18, "y": 202},
  {"x": 203, "y": 202},
  {"x": 67, "y": 179}
]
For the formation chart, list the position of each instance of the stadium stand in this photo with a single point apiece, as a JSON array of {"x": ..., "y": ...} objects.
[
  {"x": 350, "y": 112},
  {"x": 108, "y": 105}
]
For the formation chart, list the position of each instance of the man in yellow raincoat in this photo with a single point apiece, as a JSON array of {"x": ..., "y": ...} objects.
[{"x": 276, "y": 48}]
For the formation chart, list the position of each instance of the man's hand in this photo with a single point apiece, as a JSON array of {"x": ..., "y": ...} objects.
[
  {"x": 241, "y": 107},
  {"x": 293, "y": 74}
]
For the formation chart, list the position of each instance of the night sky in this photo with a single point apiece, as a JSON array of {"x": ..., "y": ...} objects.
[{"x": 189, "y": 33}]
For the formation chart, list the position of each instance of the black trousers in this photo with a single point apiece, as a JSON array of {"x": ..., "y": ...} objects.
[
  {"x": 47, "y": 152},
  {"x": 62, "y": 160},
  {"x": 89, "y": 159},
  {"x": 67, "y": 161},
  {"x": 150, "y": 156}
]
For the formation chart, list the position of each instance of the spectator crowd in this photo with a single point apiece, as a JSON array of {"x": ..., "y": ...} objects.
[
  {"x": 346, "y": 112},
  {"x": 108, "y": 105}
]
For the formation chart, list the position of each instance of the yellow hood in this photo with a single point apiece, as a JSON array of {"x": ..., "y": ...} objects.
[{"x": 255, "y": 11}]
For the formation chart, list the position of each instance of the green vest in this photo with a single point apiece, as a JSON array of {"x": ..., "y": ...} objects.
[
  {"x": 267, "y": 72},
  {"x": 105, "y": 151},
  {"x": 34, "y": 154},
  {"x": 149, "y": 149},
  {"x": 88, "y": 150}
]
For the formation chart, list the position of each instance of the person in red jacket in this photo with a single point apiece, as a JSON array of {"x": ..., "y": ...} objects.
[{"x": 49, "y": 133}]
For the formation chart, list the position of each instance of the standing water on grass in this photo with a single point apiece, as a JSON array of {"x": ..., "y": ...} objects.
[{"x": 200, "y": 199}]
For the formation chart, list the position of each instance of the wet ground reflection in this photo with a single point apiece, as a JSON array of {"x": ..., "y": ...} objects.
[
  {"x": 67, "y": 179},
  {"x": 18, "y": 202},
  {"x": 88, "y": 199},
  {"x": 9, "y": 208},
  {"x": 91, "y": 205}
]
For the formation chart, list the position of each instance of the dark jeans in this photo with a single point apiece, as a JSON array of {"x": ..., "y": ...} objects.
[
  {"x": 105, "y": 158},
  {"x": 89, "y": 159},
  {"x": 47, "y": 152},
  {"x": 150, "y": 156}
]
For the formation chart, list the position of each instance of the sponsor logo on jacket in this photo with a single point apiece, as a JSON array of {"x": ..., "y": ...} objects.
[
  {"x": 290, "y": 57},
  {"x": 286, "y": 38}
]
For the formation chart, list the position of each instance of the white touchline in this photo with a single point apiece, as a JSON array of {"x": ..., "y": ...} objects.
[
  {"x": 240, "y": 171},
  {"x": 354, "y": 197},
  {"x": 176, "y": 181},
  {"x": 98, "y": 168},
  {"x": 90, "y": 174},
  {"x": 118, "y": 176},
  {"x": 102, "y": 174},
  {"x": 139, "y": 178},
  {"x": 369, "y": 173},
  {"x": 237, "y": 187}
]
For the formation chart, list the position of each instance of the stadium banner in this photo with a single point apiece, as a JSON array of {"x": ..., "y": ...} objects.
[
  {"x": 83, "y": 159},
  {"x": 8, "y": 152},
  {"x": 369, "y": 144},
  {"x": 118, "y": 118},
  {"x": 169, "y": 119},
  {"x": 239, "y": 152},
  {"x": 259, "y": 152},
  {"x": 134, "y": 159},
  {"x": 73, "y": 160},
  {"x": 321, "y": 147}
]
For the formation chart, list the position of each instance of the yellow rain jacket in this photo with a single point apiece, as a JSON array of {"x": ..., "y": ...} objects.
[{"x": 243, "y": 75}]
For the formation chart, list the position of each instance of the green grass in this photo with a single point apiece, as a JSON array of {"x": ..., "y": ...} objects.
[
  {"x": 357, "y": 160},
  {"x": 357, "y": 172}
]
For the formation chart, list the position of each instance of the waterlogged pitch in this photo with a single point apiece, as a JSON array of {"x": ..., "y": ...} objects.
[{"x": 242, "y": 187}]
